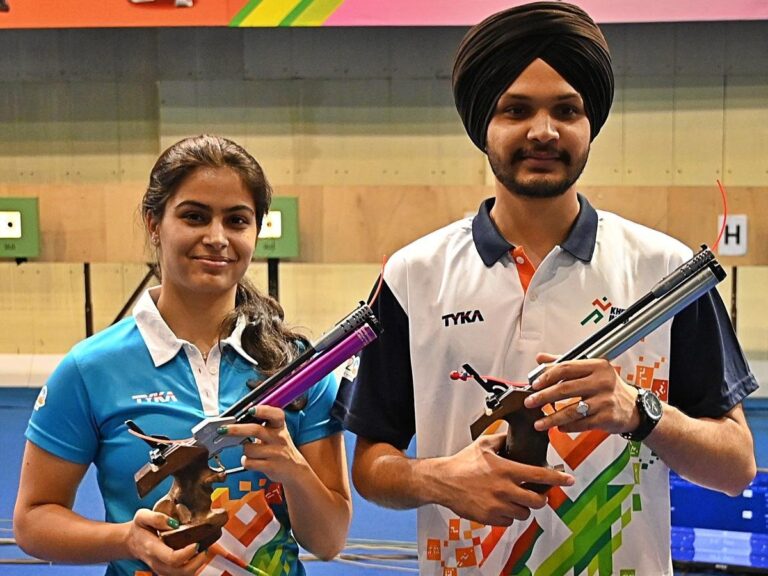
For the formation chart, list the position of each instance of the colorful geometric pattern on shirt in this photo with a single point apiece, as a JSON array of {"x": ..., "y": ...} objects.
[
  {"x": 252, "y": 532},
  {"x": 596, "y": 519},
  {"x": 644, "y": 377},
  {"x": 469, "y": 547}
]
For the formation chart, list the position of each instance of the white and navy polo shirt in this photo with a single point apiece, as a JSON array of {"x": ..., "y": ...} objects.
[{"x": 464, "y": 294}]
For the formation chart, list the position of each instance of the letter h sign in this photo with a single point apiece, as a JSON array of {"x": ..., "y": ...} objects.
[{"x": 734, "y": 240}]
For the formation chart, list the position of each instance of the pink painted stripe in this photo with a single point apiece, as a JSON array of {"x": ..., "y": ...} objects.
[{"x": 466, "y": 12}]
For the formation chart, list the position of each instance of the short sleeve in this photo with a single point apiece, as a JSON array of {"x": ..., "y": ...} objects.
[
  {"x": 709, "y": 374},
  {"x": 62, "y": 422},
  {"x": 314, "y": 420},
  {"x": 378, "y": 405}
]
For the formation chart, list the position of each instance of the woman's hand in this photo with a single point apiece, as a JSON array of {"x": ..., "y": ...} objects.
[
  {"x": 144, "y": 544},
  {"x": 271, "y": 450},
  {"x": 314, "y": 479}
]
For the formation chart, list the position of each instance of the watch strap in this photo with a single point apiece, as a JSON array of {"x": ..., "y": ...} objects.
[{"x": 647, "y": 423}]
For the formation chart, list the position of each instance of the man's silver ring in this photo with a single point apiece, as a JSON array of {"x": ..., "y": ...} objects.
[{"x": 582, "y": 408}]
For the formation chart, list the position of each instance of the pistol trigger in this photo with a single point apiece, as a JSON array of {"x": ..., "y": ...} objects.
[
  {"x": 219, "y": 465},
  {"x": 155, "y": 441}
]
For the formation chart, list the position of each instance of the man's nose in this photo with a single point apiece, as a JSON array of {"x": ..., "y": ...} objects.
[{"x": 543, "y": 128}]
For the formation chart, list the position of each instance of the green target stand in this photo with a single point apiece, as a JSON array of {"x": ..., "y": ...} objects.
[
  {"x": 19, "y": 228},
  {"x": 278, "y": 238}
]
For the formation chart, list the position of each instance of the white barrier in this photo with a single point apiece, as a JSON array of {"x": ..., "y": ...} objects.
[{"x": 26, "y": 370}]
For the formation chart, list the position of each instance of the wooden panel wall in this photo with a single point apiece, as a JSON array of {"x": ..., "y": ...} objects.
[
  {"x": 42, "y": 305},
  {"x": 360, "y": 124},
  {"x": 347, "y": 107},
  {"x": 357, "y": 224}
]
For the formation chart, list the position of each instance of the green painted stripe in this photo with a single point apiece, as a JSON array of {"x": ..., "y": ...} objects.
[
  {"x": 294, "y": 14},
  {"x": 605, "y": 557},
  {"x": 317, "y": 13},
  {"x": 244, "y": 12},
  {"x": 612, "y": 508},
  {"x": 617, "y": 540}
]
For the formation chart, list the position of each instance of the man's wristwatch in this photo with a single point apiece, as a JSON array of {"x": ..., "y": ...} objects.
[{"x": 650, "y": 408}]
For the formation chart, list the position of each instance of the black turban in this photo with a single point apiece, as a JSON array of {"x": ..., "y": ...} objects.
[{"x": 496, "y": 51}]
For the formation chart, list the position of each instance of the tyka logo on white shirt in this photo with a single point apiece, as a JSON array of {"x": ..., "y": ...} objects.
[
  {"x": 468, "y": 317},
  {"x": 159, "y": 397}
]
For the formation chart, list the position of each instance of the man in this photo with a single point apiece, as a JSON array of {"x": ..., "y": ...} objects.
[{"x": 537, "y": 270}]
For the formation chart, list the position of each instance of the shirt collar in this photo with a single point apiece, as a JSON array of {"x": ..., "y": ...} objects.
[
  {"x": 492, "y": 246},
  {"x": 235, "y": 340},
  {"x": 162, "y": 343}
]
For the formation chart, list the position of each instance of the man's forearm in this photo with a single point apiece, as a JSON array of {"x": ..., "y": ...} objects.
[
  {"x": 716, "y": 453},
  {"x": 386, "y": 476}
]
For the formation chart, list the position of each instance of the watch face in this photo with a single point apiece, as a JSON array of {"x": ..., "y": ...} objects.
[{"x": 652, "y": 405}]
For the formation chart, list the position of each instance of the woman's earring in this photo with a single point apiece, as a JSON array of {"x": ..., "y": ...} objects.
[{"x": 155, "y": 239}]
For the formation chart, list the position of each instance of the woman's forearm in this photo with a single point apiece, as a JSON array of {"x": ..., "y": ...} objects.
[
  {"x": 45, "y": 525},
  {"x": 56, "y": 533},
  {"x": 320, "y": 516}
]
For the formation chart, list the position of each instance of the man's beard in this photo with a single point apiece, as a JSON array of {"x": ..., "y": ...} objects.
[{"x": 537, "y": 187}]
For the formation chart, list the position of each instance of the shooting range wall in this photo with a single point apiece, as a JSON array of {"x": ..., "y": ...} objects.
[{"x": 359, "y": 124}]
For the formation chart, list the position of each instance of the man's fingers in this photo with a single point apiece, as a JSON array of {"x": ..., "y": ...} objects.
[
  {"x": 564, "y": 372},
  {"x": 526, "y": 473},
  {"x": 495, "y": 441},
  {"x": 545, "y": 358},
  {"x": 569, "y": 389}
]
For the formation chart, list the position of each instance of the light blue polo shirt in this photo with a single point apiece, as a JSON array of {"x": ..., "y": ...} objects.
[{"x": 138, "y": 370}]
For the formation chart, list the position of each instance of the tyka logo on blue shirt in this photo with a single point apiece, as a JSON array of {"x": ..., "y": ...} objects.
[
  {"x": 468, "y": 317},
  {"x": 160, "y": 397}
]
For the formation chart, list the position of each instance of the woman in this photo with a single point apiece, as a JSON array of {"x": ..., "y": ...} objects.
[{"x": 185, "y": 354}]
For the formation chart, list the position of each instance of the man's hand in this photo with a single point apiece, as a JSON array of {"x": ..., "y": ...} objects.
[
  {"x": 144, "y": 544},
  {"x": 478, "y": 484},
  {"x": 610, "y": 402}
]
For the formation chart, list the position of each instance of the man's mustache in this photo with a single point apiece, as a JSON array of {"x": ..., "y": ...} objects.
[{"x": 546, "y": 151}]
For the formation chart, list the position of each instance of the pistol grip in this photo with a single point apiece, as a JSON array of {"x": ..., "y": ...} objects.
[
  {"x": 204, "y": 533},
  {"x": 189, "y": 502},
  {"x": 524, "y": 443}
]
